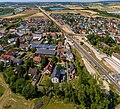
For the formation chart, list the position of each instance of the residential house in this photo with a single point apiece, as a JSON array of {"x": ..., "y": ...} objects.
[
  {"x": 37, "y": 36},
  {"x": 60, "y": 44},
  {"x": 11, "y": 52},
  {"x": 117, "y": 40},
  {"x": 11, "y": 40},
  {"x": 17, "y": 61},
  {"x": 22, "y": 39},
  {"x": 69, "y": 56},
  {"x": 56, "y": 75},
  {"x": 1, "y": 26},
  {"x": 2, "y": 33},
  {"x": 60, "y": 53},
  {"x": 68, "y": 46},
  {"x": 1, "y": 48},
  {"x": 48, "y": 69},
  {"x": 72, "y": 71},
  {"x": 32, "y": 71},
  {"x": 45, "y": 52},
  {"x": 12, "y": 31},
  {"x": 19, "y": 34},
  {"x": 24, "y": 47},
  {"x": 6, "y": 58},
  {"x": 37, "y": 59},
  {"x": 45, "y": 49}
]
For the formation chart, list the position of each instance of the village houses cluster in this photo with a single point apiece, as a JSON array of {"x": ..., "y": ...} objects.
[
  {"x": 91, "y": 25},
  {"x": 36, "y": 39}
]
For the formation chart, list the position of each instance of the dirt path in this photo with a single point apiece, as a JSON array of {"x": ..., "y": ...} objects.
[{"x": 7, "y": 92}]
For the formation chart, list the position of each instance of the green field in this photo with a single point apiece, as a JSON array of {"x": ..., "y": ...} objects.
[
  {"x": 55, "y": 104},
  {"x": 4, "y": 11}
]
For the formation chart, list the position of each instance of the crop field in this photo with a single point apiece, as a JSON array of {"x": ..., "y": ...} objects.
[
  {"x": 39, "y": 14},
  {"x": 74, "y": 7}
]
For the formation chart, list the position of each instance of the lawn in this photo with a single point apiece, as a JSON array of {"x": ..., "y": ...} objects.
[
  {"x": 45, "y": 77},
  {"x": 54, "y": 104}
]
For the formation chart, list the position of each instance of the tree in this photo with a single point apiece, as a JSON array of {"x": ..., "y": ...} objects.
[
  {"x": 13, "y": 78},
  {"x": 20, "y": 71},
  {"x": 81, "y": 43},
  {"x": 8, "y": 73},
  {"x": 56, "y": 89},
  {"x": 49, "y": 83},
  {"x": 1, "y": 66},
  {"x": 29, "y": 91},
  {"x": 54, "y": 59},
  {"x": 20, "y": 83},
  {"x": 44, "y": 62},
  {"x": 109, "y": 41},
  {"x": 29, "y": 63},
  {"x": 17, "y": 42},
  {"x": 33, "y": 50}
]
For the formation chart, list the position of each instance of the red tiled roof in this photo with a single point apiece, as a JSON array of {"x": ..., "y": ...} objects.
[
  {"x": 37, "y": 59},
  {"x": 21, "y": 39},
  {"x": 60, "y": 43},
  {"x": 32, "y": 71},
  {"x": 23, "y": 45},
  {"x": 49, "y": 67},
  {"x": 6, "y": 57},
  {"x": 62, "y": 56},
  {"x": 10, "y": 51}
]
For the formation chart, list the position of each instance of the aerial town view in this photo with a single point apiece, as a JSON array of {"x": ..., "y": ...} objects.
[{"x": 60, "y": 54}]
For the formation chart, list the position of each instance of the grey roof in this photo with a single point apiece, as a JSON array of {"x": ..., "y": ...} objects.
[
  {"x": 11, "y": 40},
  {"x": 56, "y": 72},
  {"x": 45, "y": 51},
  {"x": 19, "y": 34},
  {"x": 44, "y": 46},
  {"x": 72, "y": 67}
]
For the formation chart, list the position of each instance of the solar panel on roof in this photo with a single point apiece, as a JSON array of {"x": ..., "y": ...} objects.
[
  {"x": 44, "y": 46},
  {"x": 45, "y": 51}
]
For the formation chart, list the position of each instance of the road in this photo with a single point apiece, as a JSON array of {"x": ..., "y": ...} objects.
[{"x": 79, "y": 48}]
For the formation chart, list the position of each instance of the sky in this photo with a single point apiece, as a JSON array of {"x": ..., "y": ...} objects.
[{"x": 54, "y": 0}]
